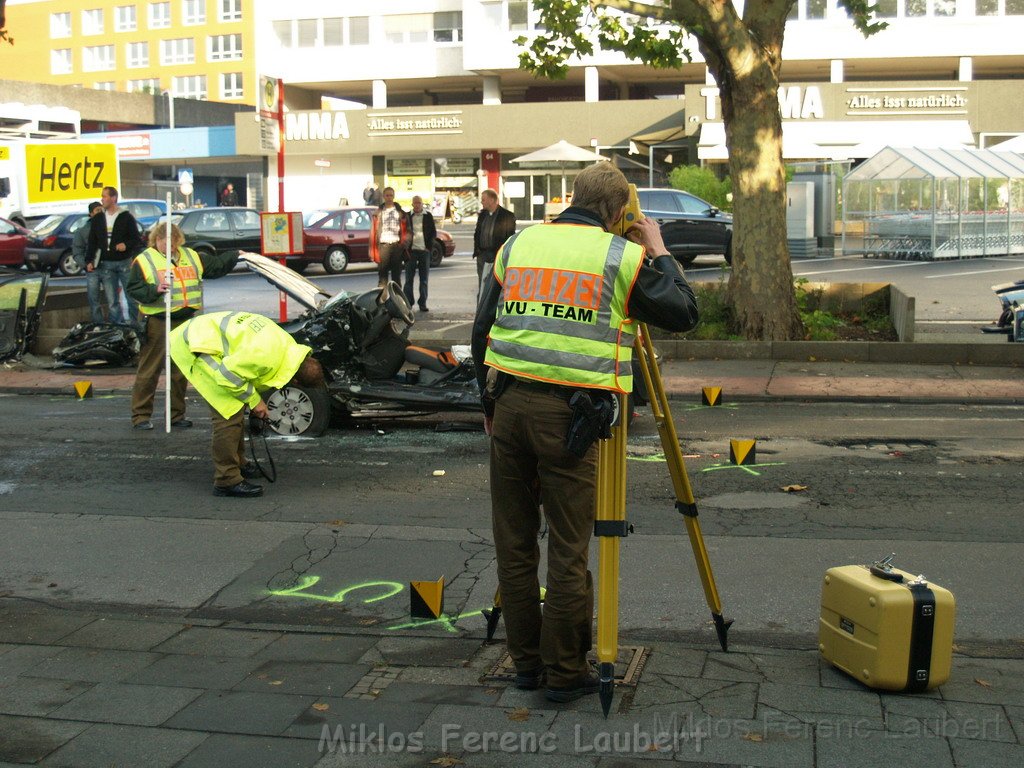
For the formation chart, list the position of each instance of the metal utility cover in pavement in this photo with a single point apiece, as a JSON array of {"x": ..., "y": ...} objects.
[{"x": 629, "y": 665}]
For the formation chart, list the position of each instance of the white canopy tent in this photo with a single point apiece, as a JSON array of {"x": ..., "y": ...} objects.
[{"x": 560, "y": 152}]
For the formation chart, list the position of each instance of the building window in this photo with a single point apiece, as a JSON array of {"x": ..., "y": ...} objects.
[
  {"x": 986, "y": 7},
  {"x": 193, "y": 12},
  {"x": 190, "y": 87},
  {"x": 97, "y": 58},
  {"x": 306, "y": 37},
  {"x": 60, "y": 25},
  {"x": 231, "y": 85},
  {"x": 230, "y": 10},
  {"x": 106, "y": 85},
  {"x": 886, "y": 9},
  {"x": 60, "y": 62},
  {"x": 359, "y": 30},
  {"x": 92, "y": 22},
  {"x": 159, "y": 15},
  {"x": 334, "y": 32},
  {"x": 1015, "y": 7},
  {"x": 448, "y": 27},
  {"x": 408, "y": 28},
  {"x": 518, "y": 15},
  {"x": 224, "y": 47},
  {"x": 283, "y": 30},
  {"x": 124, "y": 18},
  {"x": 136, "y": 55},
  {"x": 148, "y": 85},
  {"x": 179, "y": 51}
]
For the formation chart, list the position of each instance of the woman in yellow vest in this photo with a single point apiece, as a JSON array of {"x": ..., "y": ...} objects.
[{"x": 147, "y": 285}]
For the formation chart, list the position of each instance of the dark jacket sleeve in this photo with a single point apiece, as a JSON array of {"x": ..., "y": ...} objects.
[
  {"x": 218, "y": 265},
  {"x": 490, "y": 294},
  {"x": 505, "y": 226},
  {"x": 662, "y": 297},
  {"x": 126, "y": 230},
  {"x": 429, "y": 230},
  {"x": 476, "y": 235},
  {"x": 95, "y": 241}
]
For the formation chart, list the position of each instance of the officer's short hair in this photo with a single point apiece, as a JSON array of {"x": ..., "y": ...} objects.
[{"x": 603, "y": 189}]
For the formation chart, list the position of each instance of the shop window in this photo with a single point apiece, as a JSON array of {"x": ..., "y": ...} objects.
[
  {"x": 448, "y": 27},
  {"x": 60, "y": 62},
  {"x": 60, "y": 25},
  {"x": 124, "y": 18},
  {"x": 92, "y": 22},
  {"x": 159, "y": 15}
]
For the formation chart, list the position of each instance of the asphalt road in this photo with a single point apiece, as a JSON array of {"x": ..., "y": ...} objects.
[{"x": 96, "y": 515}]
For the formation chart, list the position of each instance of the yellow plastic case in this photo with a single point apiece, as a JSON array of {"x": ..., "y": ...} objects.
[{"x": 887, "y": 628}]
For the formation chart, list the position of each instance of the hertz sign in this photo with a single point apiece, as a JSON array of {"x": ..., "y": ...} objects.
[{"x": 60, "y": 173}]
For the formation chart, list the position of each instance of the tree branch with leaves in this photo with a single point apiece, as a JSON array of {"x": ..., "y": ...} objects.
[{"x": 744, "y": 55}]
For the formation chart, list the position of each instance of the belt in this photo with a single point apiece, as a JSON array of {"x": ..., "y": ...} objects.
[{"x": 545, "y": 388}]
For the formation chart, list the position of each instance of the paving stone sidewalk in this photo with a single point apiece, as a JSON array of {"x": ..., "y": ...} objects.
[{"x": 83, "y": 689}]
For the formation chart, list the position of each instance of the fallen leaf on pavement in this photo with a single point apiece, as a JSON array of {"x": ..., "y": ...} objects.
[
  {"x": 337, "y": 522},
  {"x": 518, "y": 715},
  {"x": 753, "y": 737},
  {"x": 446, "y": 761},
  {"x": 793, "y": 488},
  {"x": 277, "y": 682},
  {"x": 321, "y": 707},
  {"x": 983, "y": 683}
]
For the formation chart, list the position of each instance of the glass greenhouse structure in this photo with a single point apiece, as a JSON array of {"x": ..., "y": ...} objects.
[{"x": 926, "y": 204}]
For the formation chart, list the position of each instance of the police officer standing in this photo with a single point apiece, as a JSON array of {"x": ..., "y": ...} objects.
[{"x": 556, "y": 317}]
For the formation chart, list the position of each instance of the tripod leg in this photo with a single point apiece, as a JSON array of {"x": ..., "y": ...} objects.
[
  {"x": 493, "y": 615},
  {"x": 685, "y": 503},
  {"x": 610, "y": 526}
]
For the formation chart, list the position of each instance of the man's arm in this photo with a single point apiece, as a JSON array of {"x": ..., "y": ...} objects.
[
  {"x": 508, "y": 226},
  {"x": 429, "y": 230},
  {"x": 92, "y": 242},
  {"x": 218, "y": 265},
  {"x": 476, "y": 234},
  {"x": 490, "y": 294}
]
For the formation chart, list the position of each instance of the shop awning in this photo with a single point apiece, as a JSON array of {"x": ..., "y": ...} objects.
[{"x": 843, "y": 140}]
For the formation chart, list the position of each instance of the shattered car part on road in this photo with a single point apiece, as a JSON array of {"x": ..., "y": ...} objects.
[
  {"x": 98, "y": 344},
  {"x": 22, "y": 295}
]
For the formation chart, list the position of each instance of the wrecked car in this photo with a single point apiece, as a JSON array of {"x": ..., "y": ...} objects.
[{"x": 21, "y": 306}]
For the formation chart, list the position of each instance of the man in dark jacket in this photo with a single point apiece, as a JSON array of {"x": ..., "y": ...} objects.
[
  {"x": 494, "y": 225},
  {"x": 424, "y": 232},
  {"x": 114, "y": 241}
]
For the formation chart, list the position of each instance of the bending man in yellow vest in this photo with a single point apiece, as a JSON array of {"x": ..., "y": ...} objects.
[
  {"x": 230, "y": 357},
  {"x": 556, "y": 318},
  {"x": 147, "y": 285}
]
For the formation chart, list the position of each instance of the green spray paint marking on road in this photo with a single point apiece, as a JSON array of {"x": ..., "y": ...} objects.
[
  {"x": 660, "y": 457},
  {"x": 447, "y": 621},
  {"x": 702, "y": 407},
  {"x": 744, "y": 467},
  {"x": 391, "y": 588}
]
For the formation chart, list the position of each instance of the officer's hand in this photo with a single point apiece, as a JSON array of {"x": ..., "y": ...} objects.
[
  {"x": 488, "y": 425},
  {"x": 647, "y": 233},
  {"x": 89, "y": 267},
  {"x": 119, "y": 247},
  {"x": 162, "y": 287},
  {"x": 261, "y": 410}
]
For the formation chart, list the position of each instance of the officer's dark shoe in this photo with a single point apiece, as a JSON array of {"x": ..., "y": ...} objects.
[
  {"x": 424, "y": 309},
  {"x": 181, "y": 424},
  {"x": 143, "y": 425},
  {"x": 530, "y": 681},
  {"x": 250, "y": 470},
  {"x": 583, "y": 686},
  {"x": 242, "y": 490}
]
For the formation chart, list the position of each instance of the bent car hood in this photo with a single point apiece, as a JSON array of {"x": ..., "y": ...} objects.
[{"x": 304, "y": 291}]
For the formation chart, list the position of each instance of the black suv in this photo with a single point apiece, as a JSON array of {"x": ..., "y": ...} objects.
[
  {"x": 216, "y": 230},
  {"x": 690, "y": 226}
]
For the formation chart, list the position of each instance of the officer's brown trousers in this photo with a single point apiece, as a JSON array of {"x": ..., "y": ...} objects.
[
  {"x": 528, "y": 454},
  {"x": 151, "y": 365}
]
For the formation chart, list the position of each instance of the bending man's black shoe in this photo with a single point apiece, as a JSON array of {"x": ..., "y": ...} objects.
[
  {"x": 582, "y": 687},
  {"x": 242, "y": 490}
]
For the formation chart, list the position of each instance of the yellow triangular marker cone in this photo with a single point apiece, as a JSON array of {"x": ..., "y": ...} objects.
[
  {"x": 711, "y": 395},
  {"x": 743, "y": 451},
  {"x": 426, "y": 599},
  {"x": 84, "y": 389}
]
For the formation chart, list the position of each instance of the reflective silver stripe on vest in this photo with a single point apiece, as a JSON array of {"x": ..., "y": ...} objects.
[
  {"x": 599, "y": 331},
  {"x": 217, "y": 365},
  {"x": 554, "y": 358}
]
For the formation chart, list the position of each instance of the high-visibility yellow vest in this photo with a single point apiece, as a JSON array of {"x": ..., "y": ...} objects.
[
  {"x": 230, "y": 356},
  {"x": 562, "y": 315},
  {"x": 186, "y": 283}
]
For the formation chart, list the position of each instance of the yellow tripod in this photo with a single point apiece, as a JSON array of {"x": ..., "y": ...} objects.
[{"x": 610, "y": 521}]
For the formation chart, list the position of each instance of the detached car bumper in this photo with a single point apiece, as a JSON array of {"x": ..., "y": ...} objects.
[{"x": 41, "y": 259}]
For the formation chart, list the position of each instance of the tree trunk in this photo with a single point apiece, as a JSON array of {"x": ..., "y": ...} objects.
[{"x": 761, "y": 283}]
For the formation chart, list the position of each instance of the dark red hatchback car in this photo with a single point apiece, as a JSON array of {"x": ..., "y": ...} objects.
[
  {"x": 13, "y": 240},
  {"x": 341, "y": 236}
]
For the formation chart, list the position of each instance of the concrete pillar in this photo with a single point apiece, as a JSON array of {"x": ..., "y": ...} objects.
[
  {"x": 709, "y": 79},
  {"x": 492, "y": 89},
  {"x": 837, "y": 71},
  {"x": 380, "y": 94},
  {"x": 966, "y": 69},
  {"x": 591, "y": 83}
]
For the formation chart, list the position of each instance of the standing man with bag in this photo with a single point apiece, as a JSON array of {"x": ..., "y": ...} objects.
[
  {"x": 114, "y": 240},
  {"x": 147, "y": 286},
  {"x": 556, "y": 318},
  {"x": 494, "y": 225},
  {"x": 424, "y": 232},
  {"x": 389, "y": 239}
]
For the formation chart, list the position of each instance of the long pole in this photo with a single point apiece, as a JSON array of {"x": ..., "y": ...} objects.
[
  {"x": 167, "y": 318},
  {"x": 282, "y": 296}
]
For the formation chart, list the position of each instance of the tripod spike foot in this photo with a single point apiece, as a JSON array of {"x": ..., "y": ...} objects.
[
  {"x": 493, "y": 615},
  {"x": 722, "y": 627},
  {"x": 607, "y": 674}
]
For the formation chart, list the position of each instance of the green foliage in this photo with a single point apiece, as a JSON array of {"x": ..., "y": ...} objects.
[{"x": 701, "y": 182}]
